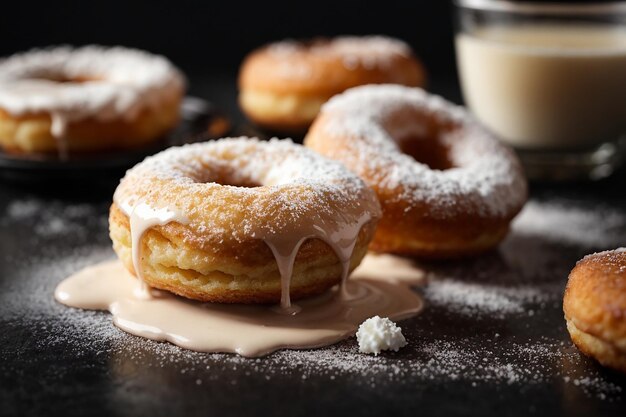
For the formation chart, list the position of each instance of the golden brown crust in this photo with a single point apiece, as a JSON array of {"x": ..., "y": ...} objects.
[
  {"x": 604, "y": 352},
  {"x": 285, "y": 91},
  {"x": 414, "y": 233},
  {"x": 31, "y": 133},
  {"x": 326, "y": 74},
  {"x": 414, "y": 223},
  {"x": 243, "y": 273},
  {"x": 411, "y": 229},
  {"x": 283, "y": 113},
  {"x": 595, "y": 307}
]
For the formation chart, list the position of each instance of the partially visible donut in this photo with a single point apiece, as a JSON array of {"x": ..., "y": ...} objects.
[
  {"x": 447, "y": 187},
  {"x": 595, "y": 307},
  {"x": 284, "y": 84},
  {"x": 86, "y": 99},
  {"x": 222, "y": 221}
]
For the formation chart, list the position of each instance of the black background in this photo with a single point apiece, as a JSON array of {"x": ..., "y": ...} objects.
[{"x": 213, "y": 36}]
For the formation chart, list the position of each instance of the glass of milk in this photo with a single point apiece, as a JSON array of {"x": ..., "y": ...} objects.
[{"x": 548, "y": 79}]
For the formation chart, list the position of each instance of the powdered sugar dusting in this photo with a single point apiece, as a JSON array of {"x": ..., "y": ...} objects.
[
  {"x": 112, "y": 81},
  {"x": 355, "y": 51},
  {"x": 570, "y": 224},
  {"x": 468, "y": 357},
  {"x": 51, "y": 219},
  {"x": 290, "y": 185},
  {"x": 475, "y": 300},
  {"x": 609, "y": 261},
  {"x": 369, "y": 121}
]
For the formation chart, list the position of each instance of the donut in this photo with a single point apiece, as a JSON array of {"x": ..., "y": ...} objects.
[
  {"x": 447, "y": 187},
  {"x": 242, "y": 221},
  {"x": 283, "y": 85},
  {"x": 595, "y": 307},
  {"x": 87, "y": 99}
]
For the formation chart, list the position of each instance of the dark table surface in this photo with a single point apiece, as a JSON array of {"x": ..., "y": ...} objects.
[{"x": 491, "y": 341}]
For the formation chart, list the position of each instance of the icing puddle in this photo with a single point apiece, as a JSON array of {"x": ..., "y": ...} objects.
[{"x": 380, "y": 286}]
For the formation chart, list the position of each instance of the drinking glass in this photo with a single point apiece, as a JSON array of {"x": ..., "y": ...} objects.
[{"x": 549, "y": 79}]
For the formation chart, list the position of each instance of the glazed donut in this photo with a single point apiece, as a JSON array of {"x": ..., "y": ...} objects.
[
  {"x": 231, "y": 221},
  {"x": 595, "y": 307},
  {"x": 284, "y": 84},
  {"x": 86, "y": 99},
  {"x": 447, "y": 188}
]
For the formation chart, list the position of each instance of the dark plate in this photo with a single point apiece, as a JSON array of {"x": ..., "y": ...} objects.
[{"x": 201, "y": 121}]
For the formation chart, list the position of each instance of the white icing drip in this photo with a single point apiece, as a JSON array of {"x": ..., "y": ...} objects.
[
  {"x": 341, "y": 237},
  {"x": 58, "y": 129},
  {"x": 343, "y": 241},
  {"x": 143, "y": 217},
  {"x": 59, "y": 125},
  {"x": 112, "y": 83},
  {"x": 285, "y": 252}
]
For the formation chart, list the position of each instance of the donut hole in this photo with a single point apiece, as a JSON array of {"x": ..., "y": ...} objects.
[
  {"x": 233, "y": 182},
  {"x": 244, "y": 183},
  {"x": 420, "y": 136},
  {"x": 225, "y": 176},
  {"x": 425, "y": 150},
  {"x": 59, "y": 77}
]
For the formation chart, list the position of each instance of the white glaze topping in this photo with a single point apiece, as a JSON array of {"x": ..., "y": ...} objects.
[
  {"x": 301, "y": 195},
  {"x": 354, "y": 51},
  {"x": 143, "y": 217},
  {"x": 110, "y": 83},
  {"x": 377, "y": 334},
  {"x": 486, "y": 177},
  {"x": 249, "y": 330}
]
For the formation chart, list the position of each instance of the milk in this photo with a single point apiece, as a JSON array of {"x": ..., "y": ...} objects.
[{"x": 544, "y": 86}]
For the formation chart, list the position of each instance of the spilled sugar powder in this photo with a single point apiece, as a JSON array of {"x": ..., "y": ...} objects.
[
  {"x": 52, "y": 218},
  {"x": 502, "y": 286},
  {"x": 568, "y": 223},
  {"x": 472, "y": 299}
]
